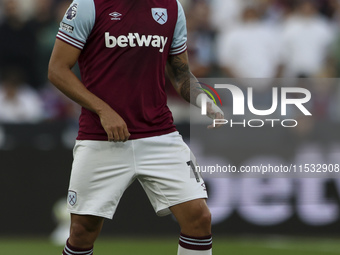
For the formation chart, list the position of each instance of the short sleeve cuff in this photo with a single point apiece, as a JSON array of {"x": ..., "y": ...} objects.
[
  {"x": 69, "y": 40},
  {"x": 178, "y": 50}
]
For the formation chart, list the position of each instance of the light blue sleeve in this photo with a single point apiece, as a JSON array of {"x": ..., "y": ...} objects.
[
  {"x": 77, "y": 23},
  {"x": 179, "y": 42}
]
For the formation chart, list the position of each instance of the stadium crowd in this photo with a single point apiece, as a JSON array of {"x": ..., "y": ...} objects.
[{"x": 226, "y": 38}]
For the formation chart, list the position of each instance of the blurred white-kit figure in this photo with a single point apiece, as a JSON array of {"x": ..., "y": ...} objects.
[
  {"x": 307, "y": 38},
  {"x": 251, "y": 49},
  {"x": 226, "y": 14},
  {"x": 63, "y": 220},
  {"x": 19, "y": 103}
]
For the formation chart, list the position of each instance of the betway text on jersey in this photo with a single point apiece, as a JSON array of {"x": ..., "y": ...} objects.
[{"x": 136, "y": 40}]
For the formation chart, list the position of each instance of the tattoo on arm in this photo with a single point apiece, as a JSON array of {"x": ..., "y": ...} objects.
[{"x": 184, "y": 81}]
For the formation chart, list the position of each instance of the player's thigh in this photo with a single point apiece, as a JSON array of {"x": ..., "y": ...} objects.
[{"x": 165, "y": 170}]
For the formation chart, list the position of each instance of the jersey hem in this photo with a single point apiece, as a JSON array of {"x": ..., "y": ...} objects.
[{"x": 101, "y": 137}]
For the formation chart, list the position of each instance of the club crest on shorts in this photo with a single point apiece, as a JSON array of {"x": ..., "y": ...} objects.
[
  {"x": 72, "y": 197},
  {"x": 160, "y": 15},
  {"x": 71, "y": 13}
]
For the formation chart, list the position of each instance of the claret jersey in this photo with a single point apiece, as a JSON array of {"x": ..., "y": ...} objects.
[{"x": 124, "y": 48}]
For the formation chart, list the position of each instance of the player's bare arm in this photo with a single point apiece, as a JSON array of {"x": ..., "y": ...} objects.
[
  {"x": 184, "y": 82},
  {"x": 64, "y": 57},
  {"x": 187, "y": 85}
]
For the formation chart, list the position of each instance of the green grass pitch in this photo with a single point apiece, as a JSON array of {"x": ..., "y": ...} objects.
[{"x": 167, "y": 246}]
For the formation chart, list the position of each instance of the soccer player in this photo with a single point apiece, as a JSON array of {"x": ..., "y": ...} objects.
[{"x": 126, "y": 130}]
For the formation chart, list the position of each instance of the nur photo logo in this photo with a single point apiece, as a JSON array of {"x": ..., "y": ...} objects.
[{"x": 281, "y": 99}]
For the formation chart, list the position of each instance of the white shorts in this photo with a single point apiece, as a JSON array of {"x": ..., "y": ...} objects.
[{"x": 102, "y": 171}]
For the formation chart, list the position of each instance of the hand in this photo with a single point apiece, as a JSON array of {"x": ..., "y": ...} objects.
[
  {"x": 214, "y": 112},
  {"x": 114, "y": 126}
]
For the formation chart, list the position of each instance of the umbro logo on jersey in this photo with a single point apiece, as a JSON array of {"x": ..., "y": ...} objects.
[
  {"x": 115, "y": 15},
  {"x": 160, "y": 15},
  {"x": 136, "y": 40}
]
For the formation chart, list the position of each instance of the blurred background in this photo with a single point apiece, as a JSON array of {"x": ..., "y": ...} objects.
[
  {"x": 226, "y": 38},
  {"x": 257, "y": 39}
]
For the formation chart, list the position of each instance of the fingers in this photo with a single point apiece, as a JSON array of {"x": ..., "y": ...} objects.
[
  {"x": 127, "y": 134},
  {"x": 116, "y": 136},
  {"x": 122, "y": 135},
  {"x": 218, "y": 116},
  {"x": 210, "y": 112},
  {"x": 119, "y": 135},
  {"x": 214, "y": 112},
  {"x": 114, "y": 126},
  {"x": 110, "y": 136}
]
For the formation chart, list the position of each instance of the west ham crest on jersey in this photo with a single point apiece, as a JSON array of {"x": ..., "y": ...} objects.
[
  {"x": 160, "y": 15},
  {"x": 72, "y": 197},
  {"x": 71, "y": 13}
]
